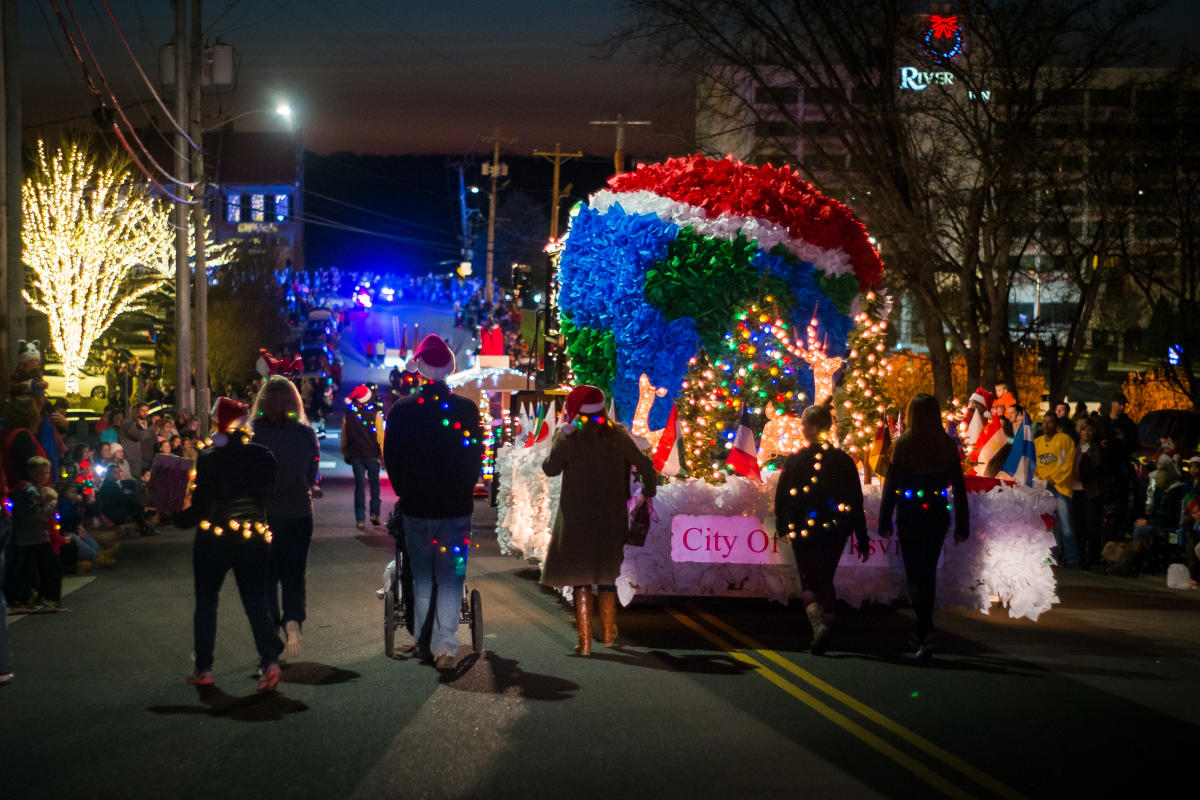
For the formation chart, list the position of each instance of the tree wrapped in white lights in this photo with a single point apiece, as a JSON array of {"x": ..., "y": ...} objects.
[{"x": 95, "y": 242}]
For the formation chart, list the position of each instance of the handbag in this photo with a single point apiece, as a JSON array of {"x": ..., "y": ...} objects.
[{"x": 639, "y": 522}]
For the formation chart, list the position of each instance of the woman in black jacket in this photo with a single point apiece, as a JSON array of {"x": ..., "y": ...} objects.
[
  {"x": 818, "y": 504},
  {"x": 924, "y": 462}
]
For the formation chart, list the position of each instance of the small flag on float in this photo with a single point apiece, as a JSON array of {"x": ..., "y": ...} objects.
[
  {"x": 743, "y": 458},
  {"x": 667, "y": 458},
  {"x": 952, "y": 432},
  {"x": 880, "y": 448},
  {"x": 540, "y": 428},
  {"x": 990, "y": 440},
  {"x": 1021, "y": 459}
]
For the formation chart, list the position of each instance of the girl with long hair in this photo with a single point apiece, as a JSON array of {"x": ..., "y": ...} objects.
[
  {"x": 818, "y": 504},
  {"x": 924, "y": 463},
  {"x": 279, "y": 424}
]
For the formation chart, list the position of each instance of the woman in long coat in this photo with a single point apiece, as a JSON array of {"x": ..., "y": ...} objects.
[{"x": 587, "y": 545}]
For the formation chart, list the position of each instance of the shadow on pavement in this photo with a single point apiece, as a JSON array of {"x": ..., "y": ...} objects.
[
  {"x": 488, "y": 673},
  {"x": 257, "y": 707},
  {"x": 312, "y": 673},
  {"x": 379, "y": 541},
  {"x": 701, "y": 663}
]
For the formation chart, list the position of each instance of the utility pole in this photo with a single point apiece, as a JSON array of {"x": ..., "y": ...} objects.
[
  {"x": 620, "y": 123},
  {"x": 557, "y": 158},
  {"x": 183, "y": 307},
  {"x": 12, "y": 268},
  {"x": 495, "y": 169},
  {"x": 199, "y": 217},
  {"x": 467, "y": 252}
]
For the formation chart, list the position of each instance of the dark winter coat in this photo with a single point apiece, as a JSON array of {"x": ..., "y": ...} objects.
[
  {"x": 234, "y": 481},
  {"x": 297, "y": 457},
  {"x": 360, "y": 438},
  {"x": 919, "y": 499},
  {"x": 433, "y": 451},
  {"x": 834, "y": 502},
  {"x": 587, "y": 544}
]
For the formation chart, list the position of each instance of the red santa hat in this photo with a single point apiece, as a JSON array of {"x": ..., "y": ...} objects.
[
  {"x": 432, "y": 358},
  {"x": 984, "y": 398},
  {"x": 584, "y": 400},
  {"x": 228, "y": 414},
  {"x": 359, "y": 394}
]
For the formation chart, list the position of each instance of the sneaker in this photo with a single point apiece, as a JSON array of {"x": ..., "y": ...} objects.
[
  {"x": 149, "y": 532},
  {"x": 360, "y": 525},
  {"x": 445, "y": 662},
  {"x": 295, "y": 643},
  {"x": 375, "y": 520},
  {"x": 201, "y": 677},
  {"x": 56, "y": 607},
  {"x": 269, "y": 679},
  {"x": 5, "y": 678},
  {"x": 925, "y": 651}
]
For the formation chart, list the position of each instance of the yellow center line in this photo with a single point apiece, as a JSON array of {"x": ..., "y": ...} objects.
[
  {"x": 837, "y": 718},
  {"x": 951, "y": 760}
]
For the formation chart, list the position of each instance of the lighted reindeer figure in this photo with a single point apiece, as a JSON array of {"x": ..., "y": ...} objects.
[{"x": 647, "y": 391}]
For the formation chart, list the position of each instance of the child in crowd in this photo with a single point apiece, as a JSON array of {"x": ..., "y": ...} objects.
[
  {"x": 34, "y": 504},
  {"x": 70, "y": 523}
]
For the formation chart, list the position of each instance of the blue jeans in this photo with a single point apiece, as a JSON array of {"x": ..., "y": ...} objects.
[
  {"x": 365, "y": 469},
  {"x": 5, "y": 654},
  {"x": 1064, "y": 530},
  {"x": 86, "y": 547},
  {"x": 286, "y": 568},
  {"x": 437, "y": 551}
]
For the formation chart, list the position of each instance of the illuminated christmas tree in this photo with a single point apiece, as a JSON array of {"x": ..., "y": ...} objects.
[
  {"x": 861, "y": 399},
  {"x": 94, "y": 240},
  {"x": 756, "y": 364}
]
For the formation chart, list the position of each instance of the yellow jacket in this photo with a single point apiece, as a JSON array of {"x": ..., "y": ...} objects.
[{"x": 1056, "y": 461}]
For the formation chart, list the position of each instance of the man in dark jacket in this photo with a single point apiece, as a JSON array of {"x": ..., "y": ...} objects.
[
  {"x": 235, "y": 479},
  {"x": 360, "y": 449},
  {"x": 433, "y": 451}
]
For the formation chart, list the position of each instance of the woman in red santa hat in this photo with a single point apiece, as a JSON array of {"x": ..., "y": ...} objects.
[
  {"x": 235, "y": 480},
  {"x": 594, "y": 455}
]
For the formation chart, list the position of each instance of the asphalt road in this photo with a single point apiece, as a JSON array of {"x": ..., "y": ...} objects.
[{"x": 701, "y": 698}]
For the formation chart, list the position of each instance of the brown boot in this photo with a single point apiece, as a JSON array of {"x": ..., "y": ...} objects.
[
  {"x": 583, "y": 619},
  {"x": 607, "y": 603}
]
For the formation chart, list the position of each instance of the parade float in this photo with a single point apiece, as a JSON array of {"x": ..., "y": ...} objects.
[{"x": 707, "y": 296}]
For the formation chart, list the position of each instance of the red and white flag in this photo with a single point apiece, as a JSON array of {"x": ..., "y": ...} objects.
[
  {"x": 744, "y": 455},
  {"x": 990, "y": 440},
  {"x": 667, "y": 459}
]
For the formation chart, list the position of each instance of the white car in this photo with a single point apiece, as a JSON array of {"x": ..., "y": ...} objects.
[{"x": 89, "y": 385}]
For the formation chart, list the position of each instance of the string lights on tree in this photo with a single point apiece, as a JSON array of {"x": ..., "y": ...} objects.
[
  {"x": 757, "y": 365},
  {"x": 862, "y": 399},
  {"x": 94, "y": 240}
]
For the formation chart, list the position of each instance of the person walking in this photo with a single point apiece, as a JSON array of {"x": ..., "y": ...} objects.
[
  {"x": 818, "y": 504},
  {"x": 235, "y": 480},
  {"x": 280, "y": 425},
  {"x": 380, "y": 352},
  {"x": 433, "y": 450},
  {"x": 587, "y": 545},
  {"x": 924, "y": 462},
  {"x": 362, "y": 426}
]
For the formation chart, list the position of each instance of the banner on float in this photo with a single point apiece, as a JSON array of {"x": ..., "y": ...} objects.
[
  {"x": 727, "y": 540},
  {"x": 883, "y": 553}
]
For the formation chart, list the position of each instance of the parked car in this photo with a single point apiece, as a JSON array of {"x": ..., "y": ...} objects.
[{"x": 89, "y": 385}]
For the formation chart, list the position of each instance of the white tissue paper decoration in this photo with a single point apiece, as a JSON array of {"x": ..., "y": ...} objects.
[{"x": 1007, "y": 554}]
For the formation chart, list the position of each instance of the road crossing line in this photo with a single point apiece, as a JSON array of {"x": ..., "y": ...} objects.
[{"x": 951, "y": 760}]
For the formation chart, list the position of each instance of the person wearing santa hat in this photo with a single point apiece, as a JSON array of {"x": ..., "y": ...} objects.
[
  {"x": 587, "y": 545},
  {"x": 234, "y": 482},
  {"x": 362, "y": 432},
  {"x": 433, "y": 451}
]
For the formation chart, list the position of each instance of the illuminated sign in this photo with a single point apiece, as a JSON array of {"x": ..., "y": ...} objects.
[
  {"x": 257, "y": 227},
  {"x": 915, "y": 80}
]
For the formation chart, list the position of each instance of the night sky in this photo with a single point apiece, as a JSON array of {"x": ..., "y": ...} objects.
[{"x": 377, "y": 76}]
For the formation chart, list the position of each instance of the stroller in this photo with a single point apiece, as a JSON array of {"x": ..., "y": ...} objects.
[{"x": 397, "y": 595}]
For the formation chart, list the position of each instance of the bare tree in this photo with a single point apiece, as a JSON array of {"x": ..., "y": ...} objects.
[{"x": 937, "y": 155}]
